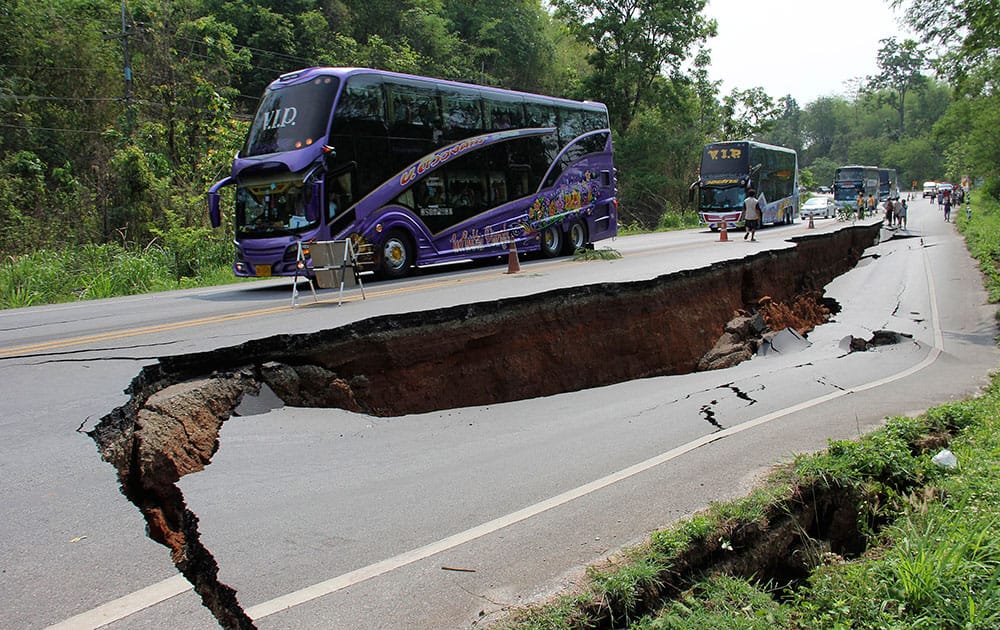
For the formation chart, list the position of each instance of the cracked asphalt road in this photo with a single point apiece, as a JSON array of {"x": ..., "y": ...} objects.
[{"x": 366, "y": 512}]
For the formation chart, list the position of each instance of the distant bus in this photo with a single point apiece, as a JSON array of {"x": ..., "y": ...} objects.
[
  {"x": 850, "y": 180},
  {"x": 730, "y": 169},
  {"x": 420, "y": 170},
  {"x": 887, "y": 185}
]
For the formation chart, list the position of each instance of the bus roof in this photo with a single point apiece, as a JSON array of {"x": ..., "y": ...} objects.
[
  {"x": 764, "y": 145},
  {"x": 305, "y": 74}
]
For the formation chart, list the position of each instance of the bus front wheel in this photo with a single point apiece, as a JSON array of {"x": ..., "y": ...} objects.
[
  {"x": 397, "y": 255},
  {"x": 552, "y": 239}
]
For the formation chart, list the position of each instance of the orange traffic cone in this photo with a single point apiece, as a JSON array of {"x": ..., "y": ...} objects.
[
  {"x": 513, "y": 266},
  {"x": 723, "y": 231}
]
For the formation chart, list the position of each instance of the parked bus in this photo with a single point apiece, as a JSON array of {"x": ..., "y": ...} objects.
[
  {"x": 887, "y": 185},
  {"x": 421, "y": 171},
  {"x": 730, "y": 169},
  {"x": 850, "y": 180}
]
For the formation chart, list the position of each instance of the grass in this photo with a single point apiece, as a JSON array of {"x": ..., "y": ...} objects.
[
  {"x": 103, "y": 271},
  {"x": 931, "y": 553},
  {"x": 668, "y": 221}
]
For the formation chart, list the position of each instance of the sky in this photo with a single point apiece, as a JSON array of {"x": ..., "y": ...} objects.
[{"x": 807, "y": 48}]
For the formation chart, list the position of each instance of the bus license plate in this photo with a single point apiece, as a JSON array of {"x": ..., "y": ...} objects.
[{"x": 263, "y": 271}]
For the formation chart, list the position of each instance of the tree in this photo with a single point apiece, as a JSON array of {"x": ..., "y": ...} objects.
[
  {"x": 787, "y": 128},
  {"x": 823, "y": 170},
  {"x": 661, "y": 151},
  {"x": 967, "y": 27},
  {"x": 506, "y": 40},
  {"x": 900, "y": 65},
  {"x": 747, "y": 114},
  {"x": 634, "y": 42},
  {"x": 824, "y": 122}
]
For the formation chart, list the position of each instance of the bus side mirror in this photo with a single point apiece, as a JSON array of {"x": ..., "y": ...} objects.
[{"x": 213, "y": 209}]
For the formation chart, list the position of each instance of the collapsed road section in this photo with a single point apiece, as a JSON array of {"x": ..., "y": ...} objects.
[{"x": 511, "y": 349}]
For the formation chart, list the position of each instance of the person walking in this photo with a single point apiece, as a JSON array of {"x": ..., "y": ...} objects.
[
  {"x": 947, "y": 209},
  {"x": 889, "y": 216},
  {"x": 751, "y": 215},
  {"x": 861, "y": 205},
  {"x": 901, "y": 213},
  {"x": 870, "y": 210}
]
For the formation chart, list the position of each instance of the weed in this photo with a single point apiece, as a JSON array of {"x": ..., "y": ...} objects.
[{"x": 605, "y": 253}]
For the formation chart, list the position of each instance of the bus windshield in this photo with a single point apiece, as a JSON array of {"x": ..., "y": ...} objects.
[
  {"x": 847, "y": 192},
  {"x": 850, "y": 175},
  {"x": 722, "y": 198},
  {"x": 291, "y": 117},
  {"x": 272, "y": 209}
]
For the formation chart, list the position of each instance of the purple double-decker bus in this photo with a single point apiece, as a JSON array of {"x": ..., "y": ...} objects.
[{"x": 417, "y": 171}]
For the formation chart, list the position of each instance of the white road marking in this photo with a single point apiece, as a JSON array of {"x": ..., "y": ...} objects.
[
  {"x": 152, "y": 595},
  {"x": 127, "y": 605}
]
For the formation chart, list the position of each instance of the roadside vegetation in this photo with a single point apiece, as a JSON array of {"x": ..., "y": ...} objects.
[
  {"x": 870, "y": 533},
  {"x": 88, "y": 272}
]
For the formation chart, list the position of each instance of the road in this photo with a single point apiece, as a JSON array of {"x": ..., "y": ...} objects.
[{"x": 323, "y": 518}]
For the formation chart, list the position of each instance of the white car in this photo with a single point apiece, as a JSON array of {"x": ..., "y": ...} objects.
[{"x": 818, "y": 206}]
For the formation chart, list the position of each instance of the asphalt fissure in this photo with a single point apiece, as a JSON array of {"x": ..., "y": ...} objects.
[{"x": 469, "y": 355}]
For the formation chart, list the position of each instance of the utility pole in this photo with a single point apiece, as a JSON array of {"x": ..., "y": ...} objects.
[{"x": 129, "y": 114}]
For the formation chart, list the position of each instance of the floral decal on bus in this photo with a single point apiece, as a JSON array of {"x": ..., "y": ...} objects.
[{"x": 570, "y": 197}]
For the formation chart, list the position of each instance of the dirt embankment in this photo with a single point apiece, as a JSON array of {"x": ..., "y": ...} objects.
[{"x": 477, "y": 354}]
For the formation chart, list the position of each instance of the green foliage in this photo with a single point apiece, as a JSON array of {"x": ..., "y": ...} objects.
[
  {"x": 103, "y": 271},
  {"x": 604, "y": 253},
  {"x": 719, "y": 602},
  {"x": 622, "y": 586},
  {"x": 663, "y": 150},
  {"x": 192, "y": 248},
  {"x": 982, "y": 237},
  {"x": 632, "y": 46}
]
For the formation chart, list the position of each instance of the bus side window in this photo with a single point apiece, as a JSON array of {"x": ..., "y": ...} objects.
[
  {"x": 571, "y": 125},
  {"x": 462, "y": 113},
  {"x": 413, "y": 111},
  {"x": 504, "y": 114},
  {"x": 361, "y": 109},
  {"x": 540, "y": 115}
]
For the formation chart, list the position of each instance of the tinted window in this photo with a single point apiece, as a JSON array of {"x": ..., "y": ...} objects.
[
  {"x": 540, "y": 115},
  {"x": 571, "y": 125},
  {"x": 291, "y": 117},
  {"x": 462, "y": 113},
  {"x": 413, "y": 110},
  {"x": 505, "y": 113},
  {"x": 361, "y": 108}
]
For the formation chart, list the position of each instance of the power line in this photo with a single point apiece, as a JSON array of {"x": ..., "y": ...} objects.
[
  {"x": 30, "y": 128},
  {"x": 30, "y": 97}
]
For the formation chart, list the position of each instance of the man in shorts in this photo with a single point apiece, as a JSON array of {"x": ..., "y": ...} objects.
[{"x": 751, "y": 215}]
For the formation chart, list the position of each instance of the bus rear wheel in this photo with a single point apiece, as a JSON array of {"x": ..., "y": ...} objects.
[
  {"x": 396, "y": 255},
  {"x": 552, "y": 240},
  {"x": 576, "y": 237}
]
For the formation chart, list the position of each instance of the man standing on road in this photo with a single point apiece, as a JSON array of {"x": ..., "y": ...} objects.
[{"x": 751, "y": 215}]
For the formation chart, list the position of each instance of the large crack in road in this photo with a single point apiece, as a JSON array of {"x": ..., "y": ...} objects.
[{"x": 484, "y": 353}]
